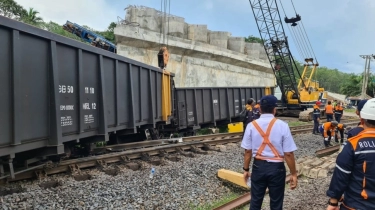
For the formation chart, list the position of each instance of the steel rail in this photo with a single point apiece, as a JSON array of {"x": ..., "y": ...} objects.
[
  {"x": 151, "y": 143},
  {"x": 327, "y": 151},
  {"x": 243, "y": 199}
]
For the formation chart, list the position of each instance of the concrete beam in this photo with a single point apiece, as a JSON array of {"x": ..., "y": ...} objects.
[
  {"x": 140, "y": 38},
  {"x": 233, "y": 177}
]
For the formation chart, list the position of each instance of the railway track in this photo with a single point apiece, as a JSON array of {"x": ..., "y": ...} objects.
[
  {"x": 127, "y": 153},
  {"x": 144, "y": 144},
  {"x": 327, "y": 151},
  {"x": 243, "y": 199}
]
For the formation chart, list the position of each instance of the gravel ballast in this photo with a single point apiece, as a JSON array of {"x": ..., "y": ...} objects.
[{"x": 175, "y": 185}]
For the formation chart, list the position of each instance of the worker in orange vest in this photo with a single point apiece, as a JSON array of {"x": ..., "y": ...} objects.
[
  {"x": 339, "y": 111},
  {"x": 328, "y": 131},
  {"x": 329, "y": 111},
  {"x": 353, "y": 182}
]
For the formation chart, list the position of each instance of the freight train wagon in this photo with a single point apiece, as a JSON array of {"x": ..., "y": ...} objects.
[
  {"x": 57, "y": 92},
  {"x": 202, "y": 107}
]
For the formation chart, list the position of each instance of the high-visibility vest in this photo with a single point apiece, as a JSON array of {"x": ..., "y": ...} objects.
[
  {"x": 267, "y": 142},
  {"x": 329, "y": 109}
]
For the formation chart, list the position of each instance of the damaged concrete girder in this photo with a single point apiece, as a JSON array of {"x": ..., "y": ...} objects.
[{"x": 137, "y": 37}]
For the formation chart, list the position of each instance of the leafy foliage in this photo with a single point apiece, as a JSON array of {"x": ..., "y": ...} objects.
[
  {"x": 253, "y": 39},
  {"x": 353, "y": 85},
  {"x": 31, "y": 17},
  {"x": 11, "y": 9},
  {"x": 57, "y": 29}
]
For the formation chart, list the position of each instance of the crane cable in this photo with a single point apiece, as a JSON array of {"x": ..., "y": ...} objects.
[
  {"x": 303, "y": 43},
  {"x": 301, "y": 51},
  {"x": 307, "y": 37},
  {"x": 316, "y": 60},
  {"x": 163, "y": 10}
]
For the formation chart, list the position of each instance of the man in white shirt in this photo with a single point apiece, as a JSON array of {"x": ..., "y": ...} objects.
[{"x": 269, "y": 141}]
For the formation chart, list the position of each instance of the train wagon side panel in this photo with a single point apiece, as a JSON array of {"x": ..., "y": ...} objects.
[
  {"x": 55, "y": 89},
  {"x": 211, "y": 106}
]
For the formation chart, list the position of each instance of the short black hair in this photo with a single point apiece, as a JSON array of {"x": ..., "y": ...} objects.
[
  {"x": 329, "y": 102},
  {"x": 370, "y": 123},
  {"x": 266, "y": 109}
]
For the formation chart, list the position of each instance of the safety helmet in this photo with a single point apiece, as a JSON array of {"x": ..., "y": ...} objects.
[
  {"x": 250, "y": 101},
  {"x": 344, "y": 125},
  {"x": 335, "y": 123},
  {"x": 368, "y": 110},
  {"x": 318, "y": 103}
]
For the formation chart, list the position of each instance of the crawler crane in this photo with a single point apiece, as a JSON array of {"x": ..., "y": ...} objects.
[{"x": 297, "y": 98}]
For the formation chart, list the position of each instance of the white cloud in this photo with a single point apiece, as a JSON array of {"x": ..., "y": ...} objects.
[{"x": 95, "y": 14}]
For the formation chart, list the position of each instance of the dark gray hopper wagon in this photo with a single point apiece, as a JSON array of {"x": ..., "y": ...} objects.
[
  {"x": 204, "y": 106},
  {"x": 55, "y": 90}
]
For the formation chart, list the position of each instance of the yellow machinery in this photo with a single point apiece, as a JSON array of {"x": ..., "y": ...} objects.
[
  {"x": 309, "y": 91},
  {"x": 163, "y": 57}
]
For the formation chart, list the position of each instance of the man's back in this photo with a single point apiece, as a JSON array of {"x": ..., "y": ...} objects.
[
  {"x": 280, "y": 136},
  {"x": 356, "y": 167},
  {"x": 270, "y": 142}
]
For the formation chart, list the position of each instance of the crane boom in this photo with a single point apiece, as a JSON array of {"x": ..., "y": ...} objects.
[{"x": 269, "y": 22}]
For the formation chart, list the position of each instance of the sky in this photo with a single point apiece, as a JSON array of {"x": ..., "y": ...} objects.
[{"x": 339, "y": 30}]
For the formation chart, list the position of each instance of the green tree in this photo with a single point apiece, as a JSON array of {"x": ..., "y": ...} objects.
[
  {"x": 253, "y": 39},
  {"x": 31, "y": 17},
  {"x": 10, "y": 9},
  {"x": 58, "y": 29},
  {"x": 109, "y": 33}
]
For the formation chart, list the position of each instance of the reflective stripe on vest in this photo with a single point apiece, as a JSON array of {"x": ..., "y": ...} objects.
[{"x": 266, "y": 141}]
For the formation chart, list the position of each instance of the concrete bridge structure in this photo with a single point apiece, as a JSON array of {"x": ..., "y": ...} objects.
[{"x": 198, "y": 57}]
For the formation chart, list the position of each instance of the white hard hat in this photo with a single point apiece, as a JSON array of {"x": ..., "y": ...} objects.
[{"x": 368, "y": 110}]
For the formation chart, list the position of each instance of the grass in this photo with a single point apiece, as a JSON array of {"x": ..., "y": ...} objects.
[
  {"x": 215, "y": 204},
  {"x": 349, "y": 110},
  {"x": 297, "y": 123}
]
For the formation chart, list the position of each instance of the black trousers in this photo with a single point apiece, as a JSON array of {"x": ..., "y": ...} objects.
[
  {"x": 341, "y": 136},
  {"x": 329, "y": 117},
  {"x": 267, "y": 175},
  {"x": 338, "y": 117},
  {"x": 316, "y": 126}
]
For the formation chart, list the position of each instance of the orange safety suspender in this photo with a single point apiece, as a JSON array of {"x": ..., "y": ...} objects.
[{"x": 266, "y": 141}]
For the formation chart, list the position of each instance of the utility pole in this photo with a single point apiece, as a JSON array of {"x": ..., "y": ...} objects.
[{"x": 366, "y": 74}]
